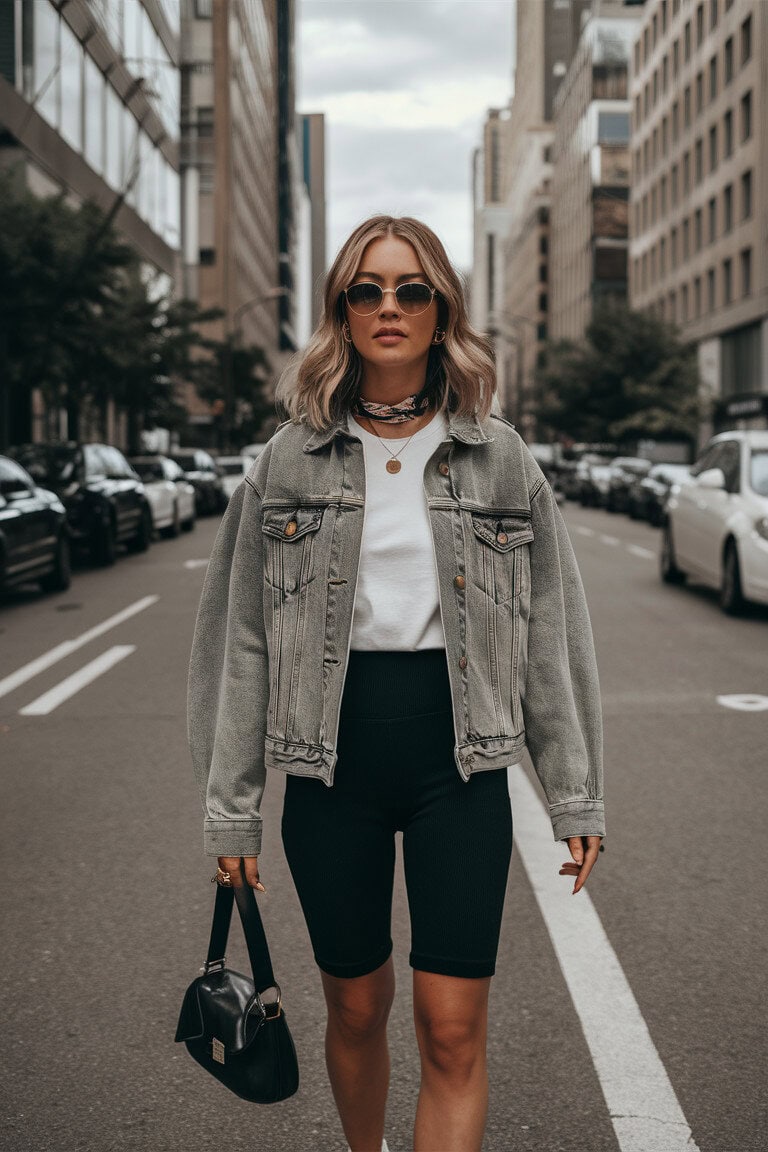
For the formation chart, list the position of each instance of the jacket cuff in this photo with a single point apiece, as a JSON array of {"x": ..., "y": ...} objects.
[
  {"x": 232, "y": 837},
  {"x": 578, "y": 818}
]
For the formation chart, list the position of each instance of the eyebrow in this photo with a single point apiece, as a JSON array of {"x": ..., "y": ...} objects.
[{"x": 400, "y": 279}]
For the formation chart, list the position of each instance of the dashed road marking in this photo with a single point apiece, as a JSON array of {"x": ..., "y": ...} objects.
[
  {"x": 609, "y": 539},
  {"x": 41, "y": 663},
  {"x": 644, "y": 553},
  {"x": 195, "y": 563},
  {"x": 585, "y": 531},
  {"x": 78, "y": 680},
  {"x": 745, "y": 702},
  {"x": 644, "y": 1109}
]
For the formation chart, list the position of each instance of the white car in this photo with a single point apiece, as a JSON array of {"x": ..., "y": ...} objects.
[
  {"x": 232, "y": 469},
  {"x": 171, "y": 496},
  {"x": 717, "y": 525}
]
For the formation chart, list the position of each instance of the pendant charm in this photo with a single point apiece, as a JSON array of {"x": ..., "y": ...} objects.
[{"x": 393, "y": 466}]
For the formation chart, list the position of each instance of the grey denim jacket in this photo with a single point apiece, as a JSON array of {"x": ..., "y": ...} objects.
[{"x": 273, "y": 630}]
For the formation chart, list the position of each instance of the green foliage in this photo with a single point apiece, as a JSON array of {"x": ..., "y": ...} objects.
[
  {"x": 630, "y": 377},
  {"x": 84, "y": 322}
]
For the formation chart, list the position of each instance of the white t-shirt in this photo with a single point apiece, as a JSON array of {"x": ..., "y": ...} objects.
[{"x": 397, "y": 607}]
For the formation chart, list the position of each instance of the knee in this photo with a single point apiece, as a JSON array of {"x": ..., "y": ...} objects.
[
  {"x": 453, "y": 1049},
  {"x": 358, "y": 1015}
]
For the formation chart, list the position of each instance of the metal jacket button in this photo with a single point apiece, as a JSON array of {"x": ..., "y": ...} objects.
[
  {"x": 443, "y": 468},
  {"x": 462, "y": 662},
  {"x": 502, "y": 538},
  {"x": 459, "y": 581},
  {"x": 290, "y": 528}
]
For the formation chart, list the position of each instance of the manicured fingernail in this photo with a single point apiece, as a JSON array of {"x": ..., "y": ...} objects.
[{"x": 260, "y": 887}]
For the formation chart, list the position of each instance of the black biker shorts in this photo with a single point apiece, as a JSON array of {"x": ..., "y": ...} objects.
[{"x": 396, "y": 773}]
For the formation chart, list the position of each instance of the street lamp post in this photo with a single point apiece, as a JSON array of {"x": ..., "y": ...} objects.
[{"x": 231, "y": 338}]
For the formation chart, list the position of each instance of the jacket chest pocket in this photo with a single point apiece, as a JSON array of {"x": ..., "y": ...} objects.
[
  {"x": 503, "y": 563},
  {"x": 290, "y": 537}
]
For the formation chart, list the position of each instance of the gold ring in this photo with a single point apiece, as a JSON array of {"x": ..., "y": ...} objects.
[{"x": 221, "y": 877}]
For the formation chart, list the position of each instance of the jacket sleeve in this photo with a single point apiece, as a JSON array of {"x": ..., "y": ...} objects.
[
  {"x": 229, "y": 685},
  {"x": 561, "y": 695}
]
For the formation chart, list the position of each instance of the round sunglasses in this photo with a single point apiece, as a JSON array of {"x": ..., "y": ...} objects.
[{"x": 412, "y": 299}]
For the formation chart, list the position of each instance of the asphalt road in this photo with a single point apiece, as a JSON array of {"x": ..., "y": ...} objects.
[{"x": 106, "y": 902}]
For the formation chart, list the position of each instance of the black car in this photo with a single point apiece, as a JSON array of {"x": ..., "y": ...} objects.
[
  {"x": 624, "y": 472},
  {"x": 648, "y": 495},
  {"x": 202, "y": 472},
  {"x": 105, "y": 500},
  {"x": 34, "y": 541}
]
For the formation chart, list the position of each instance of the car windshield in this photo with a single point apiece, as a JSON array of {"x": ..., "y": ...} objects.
[
  {"x": 185, "y": 460},
  {"x": 758, "y": 471},
  {"x": 231, "y": 467},
  {"x": 48, "y": 463},
  {"x": 152, "y": 470}
]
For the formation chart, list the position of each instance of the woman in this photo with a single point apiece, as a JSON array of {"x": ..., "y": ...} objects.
[{"x": 391, "y": 613}]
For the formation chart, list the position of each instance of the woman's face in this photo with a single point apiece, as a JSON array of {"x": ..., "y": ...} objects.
[{"x": 388, "y": 338}]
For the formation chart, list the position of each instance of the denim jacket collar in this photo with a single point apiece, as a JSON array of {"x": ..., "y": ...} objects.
[{"x": 466, "y": 429}]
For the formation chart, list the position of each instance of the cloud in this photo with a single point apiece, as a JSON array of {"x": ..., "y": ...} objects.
[{"x": 405, "y": 85}]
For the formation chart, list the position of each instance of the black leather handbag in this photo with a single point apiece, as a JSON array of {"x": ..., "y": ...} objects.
[{"x": 228, "y": 1026}]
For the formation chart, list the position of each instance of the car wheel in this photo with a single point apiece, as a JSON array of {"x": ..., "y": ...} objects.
[
  {"x": 731, "y": 596},
  {"x": 189, "y": 524},
  {"x": 104, "y": 543},
  {"x": 172, "y": 531},
  {"x": 60, "y": 578},
  {"x": 670, "y": 573},
  {"x": 143, "y": 538}
]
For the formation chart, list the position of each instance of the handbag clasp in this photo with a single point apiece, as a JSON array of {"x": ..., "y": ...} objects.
[
  {"x": 272, "y": 1009},
  {"x": 213, "y": 966}
]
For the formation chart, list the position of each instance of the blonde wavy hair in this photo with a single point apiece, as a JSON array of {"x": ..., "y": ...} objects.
[{"x": 321, "y": 387}]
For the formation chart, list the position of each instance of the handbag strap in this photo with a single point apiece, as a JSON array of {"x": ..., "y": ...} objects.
[{"x": 253, "y": 930}]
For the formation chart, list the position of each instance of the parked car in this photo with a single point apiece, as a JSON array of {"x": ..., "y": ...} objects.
[
  {"x": 583, "y": 488},
  {"x": 647, "y": 495},
  {"x": 105, "y": 501},
  {"x": 624, "y": 470},
  {"x": 170, "y": 494},
  {"x": 233, "y": 469},
  {"x": 200, "y": 469},
  {"x": 34, "y": 540},
  {"x": 253, "y": 450},
  {"x": 716, "y": 529},
  {"x": 595, "y": 484}
]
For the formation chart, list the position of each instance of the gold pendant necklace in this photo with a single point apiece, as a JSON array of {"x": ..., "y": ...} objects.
[{"x": 392, "y": 465}]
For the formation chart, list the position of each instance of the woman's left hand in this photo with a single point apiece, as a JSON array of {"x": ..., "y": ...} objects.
[{"x": 584, "y": 850}]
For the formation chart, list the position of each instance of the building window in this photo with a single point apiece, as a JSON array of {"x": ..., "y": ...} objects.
[
  {"x": 675, "y": 58},
  {"x": 746, "y": 41},
  {"x": 94, "y": 115},
  {"x": 746, "y": 196},
  {"x": 746, "y": 272},
  {"x": 684, "y": 303},
  {"x": 207, "y": 257},
  {"x": 662, "y": 257},
  {"x": 699, "y": 92},
  {"x": 542, "y": 302},
  {"x": 728, "y": 60},
  {"x": 698, "y": 239},
  {"x": 687, "y": 41},
  {"x": 654, "y": 213},
  {"x": 664, "y": 136},
  {"x": 675, "y": 121},
  {"x": 712, "y": 216},
  {"x": 713, "y": 148},
  {"x": 205, "y": 123},
  {"x": 673, "y": 185},
  {"x": 699, "y": 160},
  {"x": 663, "y": 7},
  {"x": 71, "y": 65},
  {"x": 687, "y": 107},
  {"x": 686, "y": 173},
  {"x": 727, "y": 281},
  {"x": 655, "y": 86},
  {"x": 686, "y": 239},
  {"x": 713, "y": 13},
  {"x": 665, "y": 74},
  {"x": 673, "y": 246},
  {"x": 711, "y": 295},
  {"x": 697, "y": 296},
  {"x": 541, "y": 332},
  {"x": 663, "y": 196},
  {"x": 45, "y": 57},
  {"x": 727, "y": 208},
  {"x": 543, "y": 245},
  {"x": 713, "y": 78},
  {"x": 728, "y": 134},
  {"x": 700, "y": 25},
  {"x": 203, "y": 11},
  {"x": 613, "y": 127},
  {"x": 746, "y": 116}
]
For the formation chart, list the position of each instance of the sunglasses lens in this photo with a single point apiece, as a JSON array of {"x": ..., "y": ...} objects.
[
  {"x": 364, "y": 298},
  {"x": 414, "y": 298}
]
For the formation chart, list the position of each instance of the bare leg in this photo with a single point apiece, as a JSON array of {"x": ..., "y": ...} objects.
[
  {"x": 356, "y": 1052},
  {"x": 451, "y": 1015}
]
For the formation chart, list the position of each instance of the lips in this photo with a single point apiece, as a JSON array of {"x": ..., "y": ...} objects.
[{"x": 388, "y": 332}]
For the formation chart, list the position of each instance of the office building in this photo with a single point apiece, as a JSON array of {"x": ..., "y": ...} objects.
[{"x": 697, "y": 246}]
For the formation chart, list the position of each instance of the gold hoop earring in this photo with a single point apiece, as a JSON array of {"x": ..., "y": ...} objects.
[
  {"x": 346, "y": 333},
  {"x": 439, "y": 336}
]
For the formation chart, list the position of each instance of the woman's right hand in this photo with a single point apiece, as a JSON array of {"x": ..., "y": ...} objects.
[{"x": 242, "y": 869}]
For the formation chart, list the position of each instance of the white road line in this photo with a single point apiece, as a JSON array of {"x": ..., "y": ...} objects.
[
  {"x": 609, "y": 539},
  {"x": 583, "y": 531},
  {"x": 644, "y": 1110},
  {"x": 38, "y": 665},
  {"x": 637, "y": 550},
  {"x": 84, "y": 676},
  {"x": 195, "y": 563}
]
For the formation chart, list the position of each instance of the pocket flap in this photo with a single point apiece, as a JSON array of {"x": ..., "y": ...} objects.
[
  {"x": 503, "y": 533},
  {"x": 290, "y": 524}
]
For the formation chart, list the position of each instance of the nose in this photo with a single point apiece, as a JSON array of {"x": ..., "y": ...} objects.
[{"x": 389, "y": 306}]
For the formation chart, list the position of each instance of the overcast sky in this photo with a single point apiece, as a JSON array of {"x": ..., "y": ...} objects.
[{"x": 404, "y": 85}]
